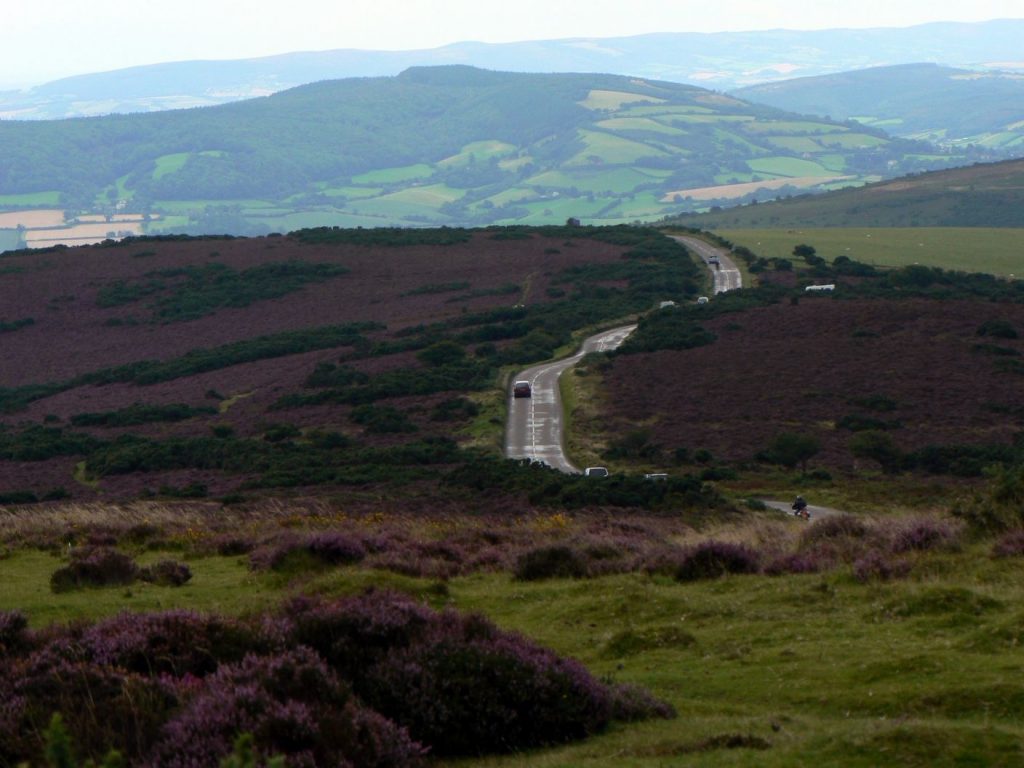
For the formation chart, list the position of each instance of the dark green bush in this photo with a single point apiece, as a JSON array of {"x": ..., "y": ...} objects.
[
  {"x": 552, "y": 562},
  {"x": 712, "y": 559}
]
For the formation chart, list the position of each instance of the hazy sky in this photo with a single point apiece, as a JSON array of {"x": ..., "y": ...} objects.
[{"x": 47, "y": 39}]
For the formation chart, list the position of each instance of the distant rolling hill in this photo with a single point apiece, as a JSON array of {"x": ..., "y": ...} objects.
[
  {"x": 721, "y": 60},
  {"x": 441, "y": 145},
  {"x": 983, "y": 195},
  {"x": 922, "y": 101}
]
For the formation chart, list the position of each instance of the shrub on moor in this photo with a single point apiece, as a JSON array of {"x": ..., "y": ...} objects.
[
  {"x": 469, "y": 689},
  {"x": 354, "y": 633},
  {"x": 13, "y": 632},
  {"x": 552, "y": 562},
  {"x": 94, "y": 567},
  {"x": 631, "y": 703},
  {"x": 293, "y": 705},
  {"x": 712, "y": 559},
  {"x": 102, "y": 707},
  {"x": 175, "y": 643},
  {"x": 166, "y": 573}
]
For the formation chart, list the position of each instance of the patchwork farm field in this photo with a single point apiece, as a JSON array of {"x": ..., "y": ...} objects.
[{"x": 975, "y": 249}]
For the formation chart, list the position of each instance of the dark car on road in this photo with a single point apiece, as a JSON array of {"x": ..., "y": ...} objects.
[{"x": 521, "y": 389}]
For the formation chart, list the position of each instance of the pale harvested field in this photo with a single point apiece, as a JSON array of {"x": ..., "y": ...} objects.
[
  {"x": 81, "y": 234},
  {"x": 739, "y": 190},
  {"x": 31, "y": 219},
  {"x": 98, "y": 217}
]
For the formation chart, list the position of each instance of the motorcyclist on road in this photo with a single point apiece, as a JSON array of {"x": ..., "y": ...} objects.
[{"x": 800, "y": 508}]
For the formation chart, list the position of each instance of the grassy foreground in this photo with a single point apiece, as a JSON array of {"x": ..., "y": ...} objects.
[
  {"x": 972, "y": 249},
  {"x": 812, "y": 669}
]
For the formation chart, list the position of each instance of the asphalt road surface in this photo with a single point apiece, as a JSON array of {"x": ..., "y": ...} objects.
[
  {"x": 816, "y": 512},
  {"x": 535, "y": 423},
  {"x": 726, "y": 276}
]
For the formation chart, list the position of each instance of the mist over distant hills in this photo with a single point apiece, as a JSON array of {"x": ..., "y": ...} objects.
[
  {"x": 945, "y": 105},
  {"x": 721, "y": 61}
]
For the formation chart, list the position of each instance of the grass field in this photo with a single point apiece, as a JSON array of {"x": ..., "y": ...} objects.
[
  {"x": 996, "y": 251},
  {"x": 394, "y": 175},
  {"x": 606, "y": 148},
  {"x": 638, "y": 124},
  {"x": 787, "y": 166},
  {"x": 478, "y": 151},
  {"x": 613, "y": 100},
  {"x": 814, "y": 669},
  {"x": 32, "y": 199},
  {"x": 620, "y": 181}
]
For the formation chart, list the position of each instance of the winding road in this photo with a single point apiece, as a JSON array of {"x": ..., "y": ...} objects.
[
  {"x": 726, "y": 275},
  {"x": 534, "y": 428},
  {"x": 535, "y": 422}
]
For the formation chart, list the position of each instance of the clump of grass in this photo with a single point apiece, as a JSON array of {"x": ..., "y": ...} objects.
[
  {"x": 166, "y": 573},
  {"x": 879, "y": 566},
  {"x": 1010, "y": 544}
]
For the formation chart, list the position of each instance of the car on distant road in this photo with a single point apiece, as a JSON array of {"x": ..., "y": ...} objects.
[
  {"x": 521, "y": 389},
  {"x": 656, "y": 476},
  {"x": 595, "y": 472}
]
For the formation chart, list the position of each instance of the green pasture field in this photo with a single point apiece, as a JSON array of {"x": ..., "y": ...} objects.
[
  {"x": 834, "y": 163},
  {"x": 558, "y": 210},
  {"x": 168, "y": 164},
  {"x": 814, "y": 669},
  {"x": 607, "y": 148},
  {"x": 787, "y": 166},
  {"x": 638, "y": 124},
  {"x": 394, "y": 175},
  {"x": 31, "y": 200},
  {"x": 614, "y": 100},
  {"x": 514, "y": 163},
  {"x": 478, "y": 151},
  {"x": 186, "y": 206},
  {"x": 701, "y": 118},
  {"x": 412, "y": 201},
  {"x": 795, "y": 127},
  {"x": 852, "y": 140},
  {"x": 352, "y": 192},
  {"x": 643, "y": 205},
  {"x": 666, "y": 110},
  {"x": 795, "y": 143},
  {"x": 619, "y": 181},
  {"x": 970, "y": 249},
  {"x": 511, "y": 195}
]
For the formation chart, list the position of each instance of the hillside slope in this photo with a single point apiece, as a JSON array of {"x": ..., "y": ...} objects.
[
  {"x": 983, "y": 195},
  {"x": 445, "y": 145},
  {"x": 721, "y": 60},
  {"x": 921, "y": 101}
]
